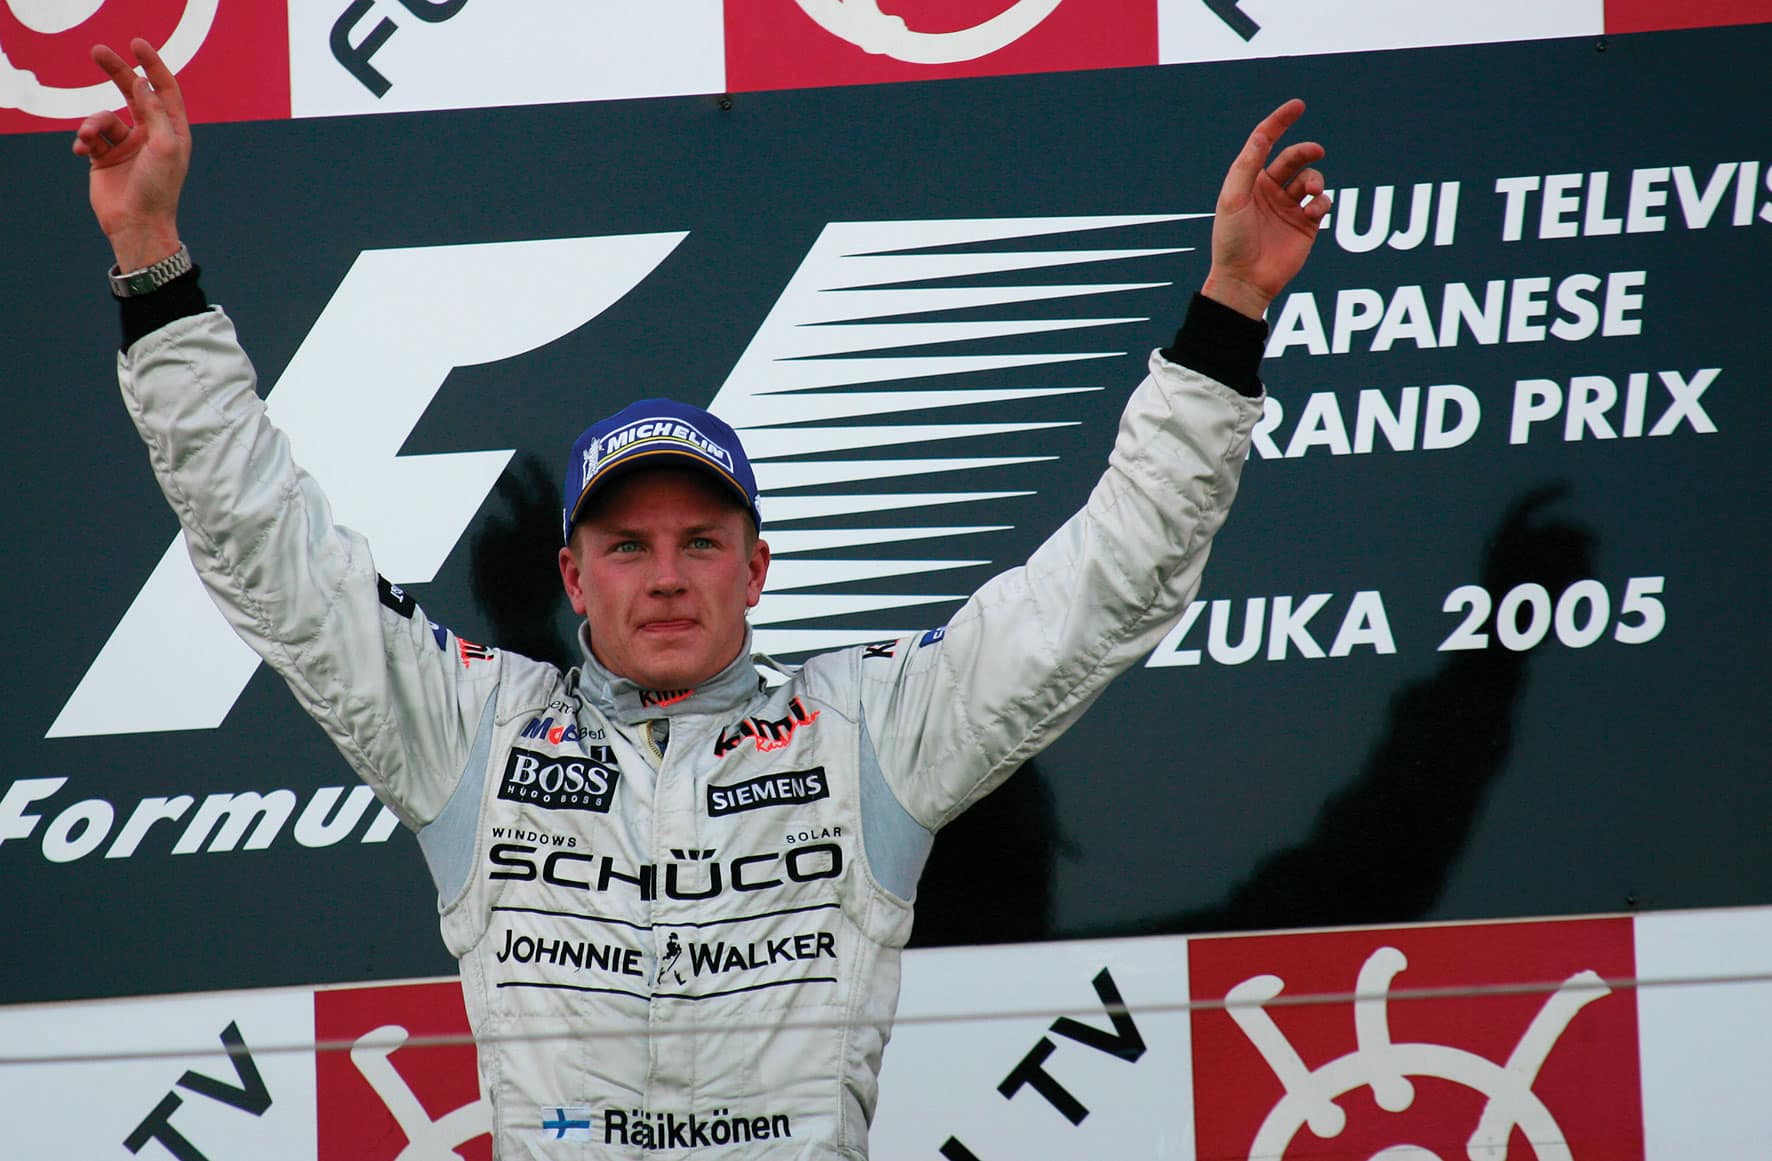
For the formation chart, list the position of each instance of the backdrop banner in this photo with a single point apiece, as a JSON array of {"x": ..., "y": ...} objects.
[{"x": 1478, "y": 642}]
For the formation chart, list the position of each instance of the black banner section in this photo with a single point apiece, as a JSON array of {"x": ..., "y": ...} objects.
[{"x": 1482, "y": 639}]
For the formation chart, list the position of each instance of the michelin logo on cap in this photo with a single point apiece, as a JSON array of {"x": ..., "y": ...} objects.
[
  {"x": 648, "y": 432},
  {"x": 623, "y": 439}
]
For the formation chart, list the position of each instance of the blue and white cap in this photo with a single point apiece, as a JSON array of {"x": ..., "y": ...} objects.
[{"x": 656, "y": 433}]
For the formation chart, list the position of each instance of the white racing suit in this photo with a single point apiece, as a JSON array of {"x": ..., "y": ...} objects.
[{"x": 689, "y": 947}]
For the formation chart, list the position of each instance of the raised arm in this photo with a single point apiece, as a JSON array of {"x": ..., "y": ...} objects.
[
  {"x": 955, "y": 712},
  {"x": 1267, "y": 216},
  {"x": 137, "y": 170},
  {"x": 402, "y": 699}
]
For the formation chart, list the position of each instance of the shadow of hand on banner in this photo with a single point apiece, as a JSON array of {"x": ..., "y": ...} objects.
[{"x": 1383, "y": 847}]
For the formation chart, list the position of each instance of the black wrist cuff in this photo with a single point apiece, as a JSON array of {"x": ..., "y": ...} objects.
[
  {"x": 1222, "y": 343},
  {"x": 143, "y": 314}
]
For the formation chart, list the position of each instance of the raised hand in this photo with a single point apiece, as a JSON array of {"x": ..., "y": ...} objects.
[
  {"x": 1264, "y": 227},
  {"x": 137, "y": 170}
]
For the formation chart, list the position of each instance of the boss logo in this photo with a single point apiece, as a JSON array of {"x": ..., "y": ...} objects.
[{"x": 561, "y": 782}]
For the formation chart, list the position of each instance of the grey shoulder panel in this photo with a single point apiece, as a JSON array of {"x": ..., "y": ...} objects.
[
  {"x": 896, "y": 844},
  {"x": 448, "y": 840}
]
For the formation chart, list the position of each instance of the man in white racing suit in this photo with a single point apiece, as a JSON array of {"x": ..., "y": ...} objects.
[{"x": 678, "y": 877}]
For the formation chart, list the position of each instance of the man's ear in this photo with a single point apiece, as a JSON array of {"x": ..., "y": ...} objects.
[
  {"x": 759, "y": 570},
  {"x": 572, "y": 579}
]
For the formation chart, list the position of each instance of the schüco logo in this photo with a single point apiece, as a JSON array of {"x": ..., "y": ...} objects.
[{"x": 692, "y": 874}]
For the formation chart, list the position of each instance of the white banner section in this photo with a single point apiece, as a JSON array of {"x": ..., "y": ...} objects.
[
  {"x": 1584, "y": 1039},
  {"x": 1066, "y": 1051},
  {"x": 176, "y": 1076}
]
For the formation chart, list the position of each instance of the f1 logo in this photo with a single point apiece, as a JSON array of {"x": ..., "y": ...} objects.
[
  {"x": 377, "y": 330},
  {"x": 380, "y": 328}
]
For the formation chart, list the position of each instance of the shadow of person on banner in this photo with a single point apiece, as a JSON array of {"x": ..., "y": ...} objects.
[{"x": 1383, "y": 847}]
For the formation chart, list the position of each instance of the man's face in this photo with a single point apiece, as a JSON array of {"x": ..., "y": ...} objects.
[{"x": 663, "y": 569}]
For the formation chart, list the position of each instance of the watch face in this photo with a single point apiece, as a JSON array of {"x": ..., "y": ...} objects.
[{"x": 152, "y": 278}]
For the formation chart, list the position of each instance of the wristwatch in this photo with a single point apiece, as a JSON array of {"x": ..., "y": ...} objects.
[{"x": 151, "y": 278}]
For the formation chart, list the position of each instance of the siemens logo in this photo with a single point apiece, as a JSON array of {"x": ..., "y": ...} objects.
[{"x": 793, "y": 788}]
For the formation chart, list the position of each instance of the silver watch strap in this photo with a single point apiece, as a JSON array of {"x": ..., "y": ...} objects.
[{"x": 151, "y": 278}]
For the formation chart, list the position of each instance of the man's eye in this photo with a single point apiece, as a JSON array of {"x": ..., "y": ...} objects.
[
  {"x": 702, "y": 542},
  {"x": 625, "y": 546}
]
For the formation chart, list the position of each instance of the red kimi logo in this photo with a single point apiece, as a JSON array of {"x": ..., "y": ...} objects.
[
  {"x": 775, "y": 44},
  {"x": 658, "y": 698},
  {"x": 383, "y": 1098},
  {"x": 1517, "y": 1050},
  {"x": 232, "y": 56},
  {"x": 768, "y": 733}
]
